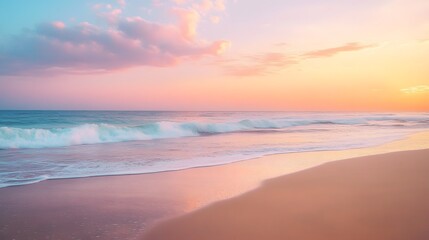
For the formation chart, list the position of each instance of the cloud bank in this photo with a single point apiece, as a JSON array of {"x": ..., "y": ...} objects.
[{"x": 127, "y": 42}]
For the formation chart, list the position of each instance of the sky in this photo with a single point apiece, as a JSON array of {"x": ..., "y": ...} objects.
[{"x": 278, "y": 55}]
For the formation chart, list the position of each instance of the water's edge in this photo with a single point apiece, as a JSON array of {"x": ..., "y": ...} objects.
[{"x": 405, "y": 143}]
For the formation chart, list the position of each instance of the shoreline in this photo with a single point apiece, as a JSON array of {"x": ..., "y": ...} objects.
[
  {"x": 382, "y": 145},
  {"x": 379, "y": 197},
  {"x": 122, "y": 207}
]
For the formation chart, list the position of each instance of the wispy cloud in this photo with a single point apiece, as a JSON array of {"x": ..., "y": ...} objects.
[
  {"x": 271, "y": 62},
  {"x": 329, "y": 52},
  {"x": 126, "y": 42},
  {"x": 416, "y": 89},
  {"x": 258, "y": 64}
]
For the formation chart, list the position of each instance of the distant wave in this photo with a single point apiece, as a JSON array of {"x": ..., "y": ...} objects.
[{"x": 13, "y": 137}]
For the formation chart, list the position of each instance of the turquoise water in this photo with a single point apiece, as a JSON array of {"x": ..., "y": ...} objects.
[{"x": 40, "y": 145}]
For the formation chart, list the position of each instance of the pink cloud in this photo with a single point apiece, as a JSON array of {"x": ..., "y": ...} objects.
[
  {"x": 329, "y": 52},
  {"x": 111, "y": 16},
  {"x": 271, "y": 62},
  {"x": 188, "y": 21},
  {"x": 86, "y": 48},
  {"x": 58, "y": 25},
  {"x": 219, "y": 47}
]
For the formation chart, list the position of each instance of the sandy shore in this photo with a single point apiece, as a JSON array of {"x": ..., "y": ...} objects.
[
  {"x": 374, "y": 197},
  {"x": 124, "y": 207}
]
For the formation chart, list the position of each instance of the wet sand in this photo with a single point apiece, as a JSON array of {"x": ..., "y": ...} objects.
[
  {"x": 124, "y": 207},
  {"x": 375, "y": 197}
]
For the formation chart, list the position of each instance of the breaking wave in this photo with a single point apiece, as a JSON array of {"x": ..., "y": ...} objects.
[{"x": 13, "y": 137}]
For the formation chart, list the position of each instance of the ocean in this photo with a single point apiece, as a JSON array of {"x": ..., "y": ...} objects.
[{"x": 40, "y": 145}]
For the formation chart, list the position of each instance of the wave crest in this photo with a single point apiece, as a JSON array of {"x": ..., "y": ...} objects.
[{"x": 13, "y": 137}]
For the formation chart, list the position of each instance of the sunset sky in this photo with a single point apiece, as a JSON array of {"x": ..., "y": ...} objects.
[{"x": 300, "y": 55}]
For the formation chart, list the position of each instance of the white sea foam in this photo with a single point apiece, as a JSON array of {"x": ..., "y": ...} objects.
[
  {"x": 35, "y": 146},
  {"x": 13, "y": 137}
]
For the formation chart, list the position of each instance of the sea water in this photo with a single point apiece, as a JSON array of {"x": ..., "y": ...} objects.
[{"x": 40, "y": 145}]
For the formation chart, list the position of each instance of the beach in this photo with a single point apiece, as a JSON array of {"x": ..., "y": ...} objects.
[
  {"x": 130, "y": 206},
  {"x": 214, "y": 119},
  {"x": 375, "y": 197}
]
